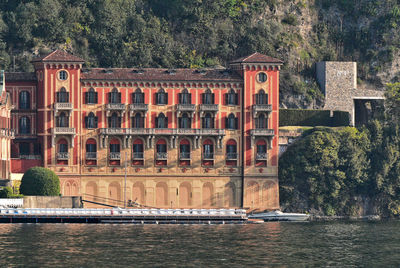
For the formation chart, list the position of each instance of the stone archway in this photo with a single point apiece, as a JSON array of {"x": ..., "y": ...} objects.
[
  {"x": 229, "y": 195},
  {"x": 161, "y": 195},
  {"x": 138, "y": 193},
  {"x": 207, "y": 194},
  {"x": 252, "y": 194},
  {"x": 185, "y": 192}
]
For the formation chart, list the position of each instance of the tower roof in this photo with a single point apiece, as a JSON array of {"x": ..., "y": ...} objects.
[
  {"x": 59, "y": 55},
  {"x": 257, "y": 58}
]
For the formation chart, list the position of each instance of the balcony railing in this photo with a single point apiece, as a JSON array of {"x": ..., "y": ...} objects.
[
  {"x": 138, "y": 155},
  {"x": 262, "y": 108},
  {"x": 209, "y": 107},
  {"x": 115, "y": 106},
  {"x": 115, "y": 156},
  {"x": 91, "y": 155},
  {"x": 261, "y": 156},
  {"x": 208, "y": 156},
  {"x": 58, "y": 106},
  {"x": 162, "y": 156},
  {"x": 138, "y": 107},
  {"x": 113, "y": 131},
  {"x": 184, "y": 155},
  {"x": 262, "y": 132},
  {"x": 163, "y": 131},
  {"x": 5, "y": 132},
  {"x": 63, "y": 156},
  {"x": 231, "y": 156},
  {"x": 186, "y": 107},
  {"x": 30, "y": 156},
  {"x": 64, "y": 130}
]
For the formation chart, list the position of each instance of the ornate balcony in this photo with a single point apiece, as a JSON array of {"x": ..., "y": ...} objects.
[
  {"x": 208, "y": 156},
  {"x": 190, "y": 108},
  {"x": 262, "y": 132},
  {"x": 231, "y": 156},
  {"x": 64, "y": 131},
  {"x": 184, "y": 156},
  {"x": 30, "y": 156},
  {"x": 208, "y": 108},
  {"x": 62, "y": 156},
  {"x": 115, "y": 156},
  {"x": 113, "y": 131},
  {"x": 162, "y": 156},
  {"x": 138, "y": 156},
  {"x": 261, "y": 156},
  {"x": 138, "y": 107},
  {"x": 118, "y": 107},
  {"x": 8, "y": 133},
  {"x": 91, "y": 155},
  {"x": 63, "y": 106},
  {"x": 257, "y": 108}
]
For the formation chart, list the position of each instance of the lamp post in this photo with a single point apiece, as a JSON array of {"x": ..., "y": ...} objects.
[{"x": 126, "y": 161}]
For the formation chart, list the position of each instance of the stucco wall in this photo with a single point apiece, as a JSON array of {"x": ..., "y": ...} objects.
[{"x": 52, "y": 201}]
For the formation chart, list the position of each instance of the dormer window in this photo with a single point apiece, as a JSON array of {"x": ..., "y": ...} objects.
[
  {"x": 138, "y": 96},
  {"x": 162, "y": 97},
  {"x": 114, "y": 96},
  {"x": 208, "y": 97}
]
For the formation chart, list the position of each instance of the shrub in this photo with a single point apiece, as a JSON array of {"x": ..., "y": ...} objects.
[
  {"x": 40, "y": 181},
  {"x": 6, "y": 192}
]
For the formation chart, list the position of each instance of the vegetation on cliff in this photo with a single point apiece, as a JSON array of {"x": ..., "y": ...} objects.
[{"x": 200, "y": 33}]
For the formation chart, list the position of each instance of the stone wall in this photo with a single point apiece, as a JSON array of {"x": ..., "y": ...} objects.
[{"x": 52, "y": 202}]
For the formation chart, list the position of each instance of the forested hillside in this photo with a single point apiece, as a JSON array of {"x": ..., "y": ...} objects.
[{"x": 201, "y": 33}]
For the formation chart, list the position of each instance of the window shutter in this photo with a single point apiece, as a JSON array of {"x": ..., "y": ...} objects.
[
  {"x": 166, "y": 122},
  {"x": 236, "y": 123},
  {"x": 227, "y": 98},
  {"x": 119, "y": 97},
  {"x": 212, "y": 98},
  {"x": 180, "y": 123},
  {"x": 236, "y": 98},
  {"x": 86, "y": 97},
  {"x": 190, "y": 98},
  {"x": 96, "y": 121},
  {"x": 180, "y": 98},
  {"x": 156, "y": 126},
  {"x": 86, "y": 122},
  {"x": 109, "y": 97},
  {"x": 226, "y": 122},
  {"x": 202, "y": 98},
  {"x": 266, "y": 99},
  {"x": 257, "y": 102},
  {"x": 109, "y": 122},
  {"x": 133, "y": 97},
  {"x": 157, "y": 98},
  {"x": 166, "y": 98},
  {"x": 142, "y": 100},
  {"x": 96, "y": 98},
  {"x": 58, "y": 96},
  {"x": 202, "y": 122}
]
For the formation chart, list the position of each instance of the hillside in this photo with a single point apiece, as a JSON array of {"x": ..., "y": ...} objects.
[{"x": 200, "y": 33}]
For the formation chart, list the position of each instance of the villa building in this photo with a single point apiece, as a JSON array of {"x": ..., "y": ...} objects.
[
  {"x": 182, "y": 138},
  {"x": 6, "y": 133}
]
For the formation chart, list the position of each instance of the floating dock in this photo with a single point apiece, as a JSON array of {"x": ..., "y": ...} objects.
[{"x": 119, "y": 215}]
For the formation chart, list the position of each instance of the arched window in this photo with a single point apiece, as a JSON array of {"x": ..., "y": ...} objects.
[
  {"x": 138, "y": 121},
  {"x": 114, "y": 96},
  {"x": 184, "y": 121},
  {"x": 261, "y": 150},
  {"x": 231, "y": 150},
  {"x": 161, "y": 150},
  {"x": 208, "y": 97},
  {"x": 185, "y": 97},
  {"x": 115, "y": 153},
  {"x": 137, "y": 149},
  {"x": 231, "y": 122},
  {"x": 62, "y": 120},
  {"x": 231, "y": 98},
  {"x": 62, "y": 150},
  {"x": 261, "y": 97},
  {"x": 91, "y": 121},
  {"x": 24, "y": 100},
  {"x": 24, "y": 125},
  {"x": 208, "y": 121},
  {"x": 138, "y": 96},
  {"x": 91, "y": 149},
  {"x": 91, "y": 96},
  {"x": 208, "y": 150},
  {"x": 114, "y": 121},
  {"x": 161, "y": 121},
  {"x": 262, "y": 121},
  {"x": 184, "y": 150},
  {"x": 162, "y": 97},
  {"x": 62, "y": 95}
]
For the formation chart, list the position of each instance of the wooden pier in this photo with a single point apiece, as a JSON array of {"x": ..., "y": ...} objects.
[{"x": 124, "y": 216}]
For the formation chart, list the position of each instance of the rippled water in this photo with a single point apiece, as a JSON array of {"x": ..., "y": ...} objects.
[{"x": 282, "y": 244}]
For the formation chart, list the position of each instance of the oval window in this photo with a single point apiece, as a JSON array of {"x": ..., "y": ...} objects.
[
  {"x": 262, "y": 77},
  {"x": 63, "y": 75}
]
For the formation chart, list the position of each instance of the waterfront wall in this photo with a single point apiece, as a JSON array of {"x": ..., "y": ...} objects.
[{"x": 52, "y": 202}]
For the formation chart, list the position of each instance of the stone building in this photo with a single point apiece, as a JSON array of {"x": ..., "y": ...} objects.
[
  {"x": 182, "y": 138},
  {"x": 338, "y": 81}
]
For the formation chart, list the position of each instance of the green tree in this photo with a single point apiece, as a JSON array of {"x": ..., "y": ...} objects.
[{"x": 40, "y": 181}]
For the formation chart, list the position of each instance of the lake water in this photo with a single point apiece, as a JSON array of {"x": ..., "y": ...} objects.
[{"x": 337, "y": 244}]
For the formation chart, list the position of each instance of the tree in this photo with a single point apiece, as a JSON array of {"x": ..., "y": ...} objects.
[{"x": 40, "y": 181}]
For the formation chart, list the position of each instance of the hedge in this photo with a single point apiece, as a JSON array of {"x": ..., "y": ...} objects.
[
  {"x": 300, "y": 117},
  {"x": 40, "y": 181}
]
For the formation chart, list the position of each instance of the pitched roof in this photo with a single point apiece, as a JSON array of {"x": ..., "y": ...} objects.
[
  {"x": 59, "y": 55},
  {"x": 147, "y": 74},
  {"x": 19, "y": 77},
  {"x": 257, "y": 58}
]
